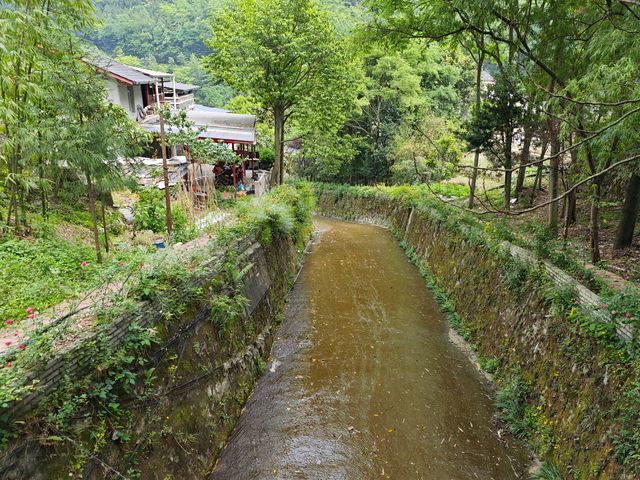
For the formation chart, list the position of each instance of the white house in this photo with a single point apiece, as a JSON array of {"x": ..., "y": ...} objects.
[
  {"x": 131, "y": 89},
  {"x": 139, "y": 90}
]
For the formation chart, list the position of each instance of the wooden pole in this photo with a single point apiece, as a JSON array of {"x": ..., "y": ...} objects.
[{"x": 165, "y": 172}]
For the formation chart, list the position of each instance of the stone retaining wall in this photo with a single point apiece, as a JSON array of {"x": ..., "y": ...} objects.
[{"x": 202, "y": 376}]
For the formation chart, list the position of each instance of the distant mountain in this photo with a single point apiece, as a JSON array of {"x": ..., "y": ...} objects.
[{"x": 168, "y": 31}]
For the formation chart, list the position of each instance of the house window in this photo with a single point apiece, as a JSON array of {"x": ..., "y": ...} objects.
[{"x": 132, "y": 101}]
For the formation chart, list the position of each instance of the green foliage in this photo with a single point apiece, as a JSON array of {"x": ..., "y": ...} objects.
[
  {"x": 500, "y": 112},
  {"x": 409, "y": 99},
  {"x": 267, "y": 157},
  {"x": 293, "y": 64},
  {"x": 516, "y": 274},
  {"x": 425, "y": 151},
  {"x": 594, "y": 324},
  {"x": 562, "y": 298},
  {"x": 622, "y": 304},
  {"x": 488, "y": 364},
  {"x": 165, "y": 30},
  {"x": 261, "y": 365},
  {"x": 627, "y": 440},
  {"x": 511, "y": 401},
  {"x": 547, "y": 471},
  {"x": 150, "y": 214},
  {"x": 40, "y": 273},
  {"x": 225, "y": 311}
]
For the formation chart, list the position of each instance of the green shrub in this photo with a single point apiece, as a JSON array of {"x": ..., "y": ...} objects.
[
  {"x": 547, "y": 472},
  {"x": 488, "y": 364},
  {"x": 150, "y": 213},
  {"x": 511, "y": 400},
  {"x": 267, "y": 157}
]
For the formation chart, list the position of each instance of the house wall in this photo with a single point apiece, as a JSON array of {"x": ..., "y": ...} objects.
[{"x": 118, "y": 94}]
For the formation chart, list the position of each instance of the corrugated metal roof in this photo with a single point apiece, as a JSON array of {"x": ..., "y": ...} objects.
[
  {"x": 228, "y": 127},
  {"x": 204, "y": 108},
  {"x": 221, "y": 119},
  {"x": 230, "y": 135},
  {"x": 181, "y": 86},
  {"x": 120, "y": 71},
  {"x": 152, "y": 73}
]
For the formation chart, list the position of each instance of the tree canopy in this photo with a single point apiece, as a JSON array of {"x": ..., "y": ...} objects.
[{"x": 293, "y": 64}]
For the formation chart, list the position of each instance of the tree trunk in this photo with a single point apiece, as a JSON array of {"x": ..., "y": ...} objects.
[
  {"x": 476, "y": 153},
  {"x": 23, "y": 209},
  {"x": 629, "y": 214},
  {"x": 537, "y": 182},
  {"x": 554, "y": 169},
  {"x": 524, "y": 159},
  {"x": 282, "y": 152},
  {"x": 12, "y": 202},
  {"x": 508, "y": 165},
  {"x": 94, "y": 218},
  {"x": 104, "y": 226},
  {"x": 569, "y": 213},
  {"x": 43, "y": 192},
  {"x": 594, "y": 221},
  {"x": 569, "y": 200},
  {"x": 277, "y": 172}
]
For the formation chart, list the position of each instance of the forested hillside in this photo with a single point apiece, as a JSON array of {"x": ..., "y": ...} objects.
[
  {"x": 167, "y": 31},
  {"x": 170, "y": 35}
]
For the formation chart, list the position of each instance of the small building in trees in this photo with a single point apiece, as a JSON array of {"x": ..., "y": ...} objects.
[
  {"x": 141, "y": 91},
  {"x": 237, "y": 132},
  {"x": 487, "y": 81}
]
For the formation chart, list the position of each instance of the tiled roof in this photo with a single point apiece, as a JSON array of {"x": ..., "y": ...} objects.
[{"x": 120, "y": 71}]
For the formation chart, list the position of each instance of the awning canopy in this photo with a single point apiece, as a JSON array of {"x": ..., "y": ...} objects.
[
  {"x": 153, "y": 73},
  {"x": 181, "y": 87},
  {"x": 219, "y": 126}
]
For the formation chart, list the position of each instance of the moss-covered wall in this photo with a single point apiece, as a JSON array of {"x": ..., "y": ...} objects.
[
  {"x": 186, "y": 390},
  {"x": 582, "y": 400}
]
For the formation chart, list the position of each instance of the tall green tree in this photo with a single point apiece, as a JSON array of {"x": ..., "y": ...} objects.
[
  {"x": 33, "y": 34},
  {"x": 491, "y": 127},
  {"x": 97, "y": 141},
  {"x": 287, "y": 55}
]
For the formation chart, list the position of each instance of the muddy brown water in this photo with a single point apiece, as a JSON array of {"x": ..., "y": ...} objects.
[{"x": 363, "y": 382}]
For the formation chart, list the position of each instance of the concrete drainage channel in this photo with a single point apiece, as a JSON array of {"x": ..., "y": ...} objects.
[{"x": 363, "y": 381}]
